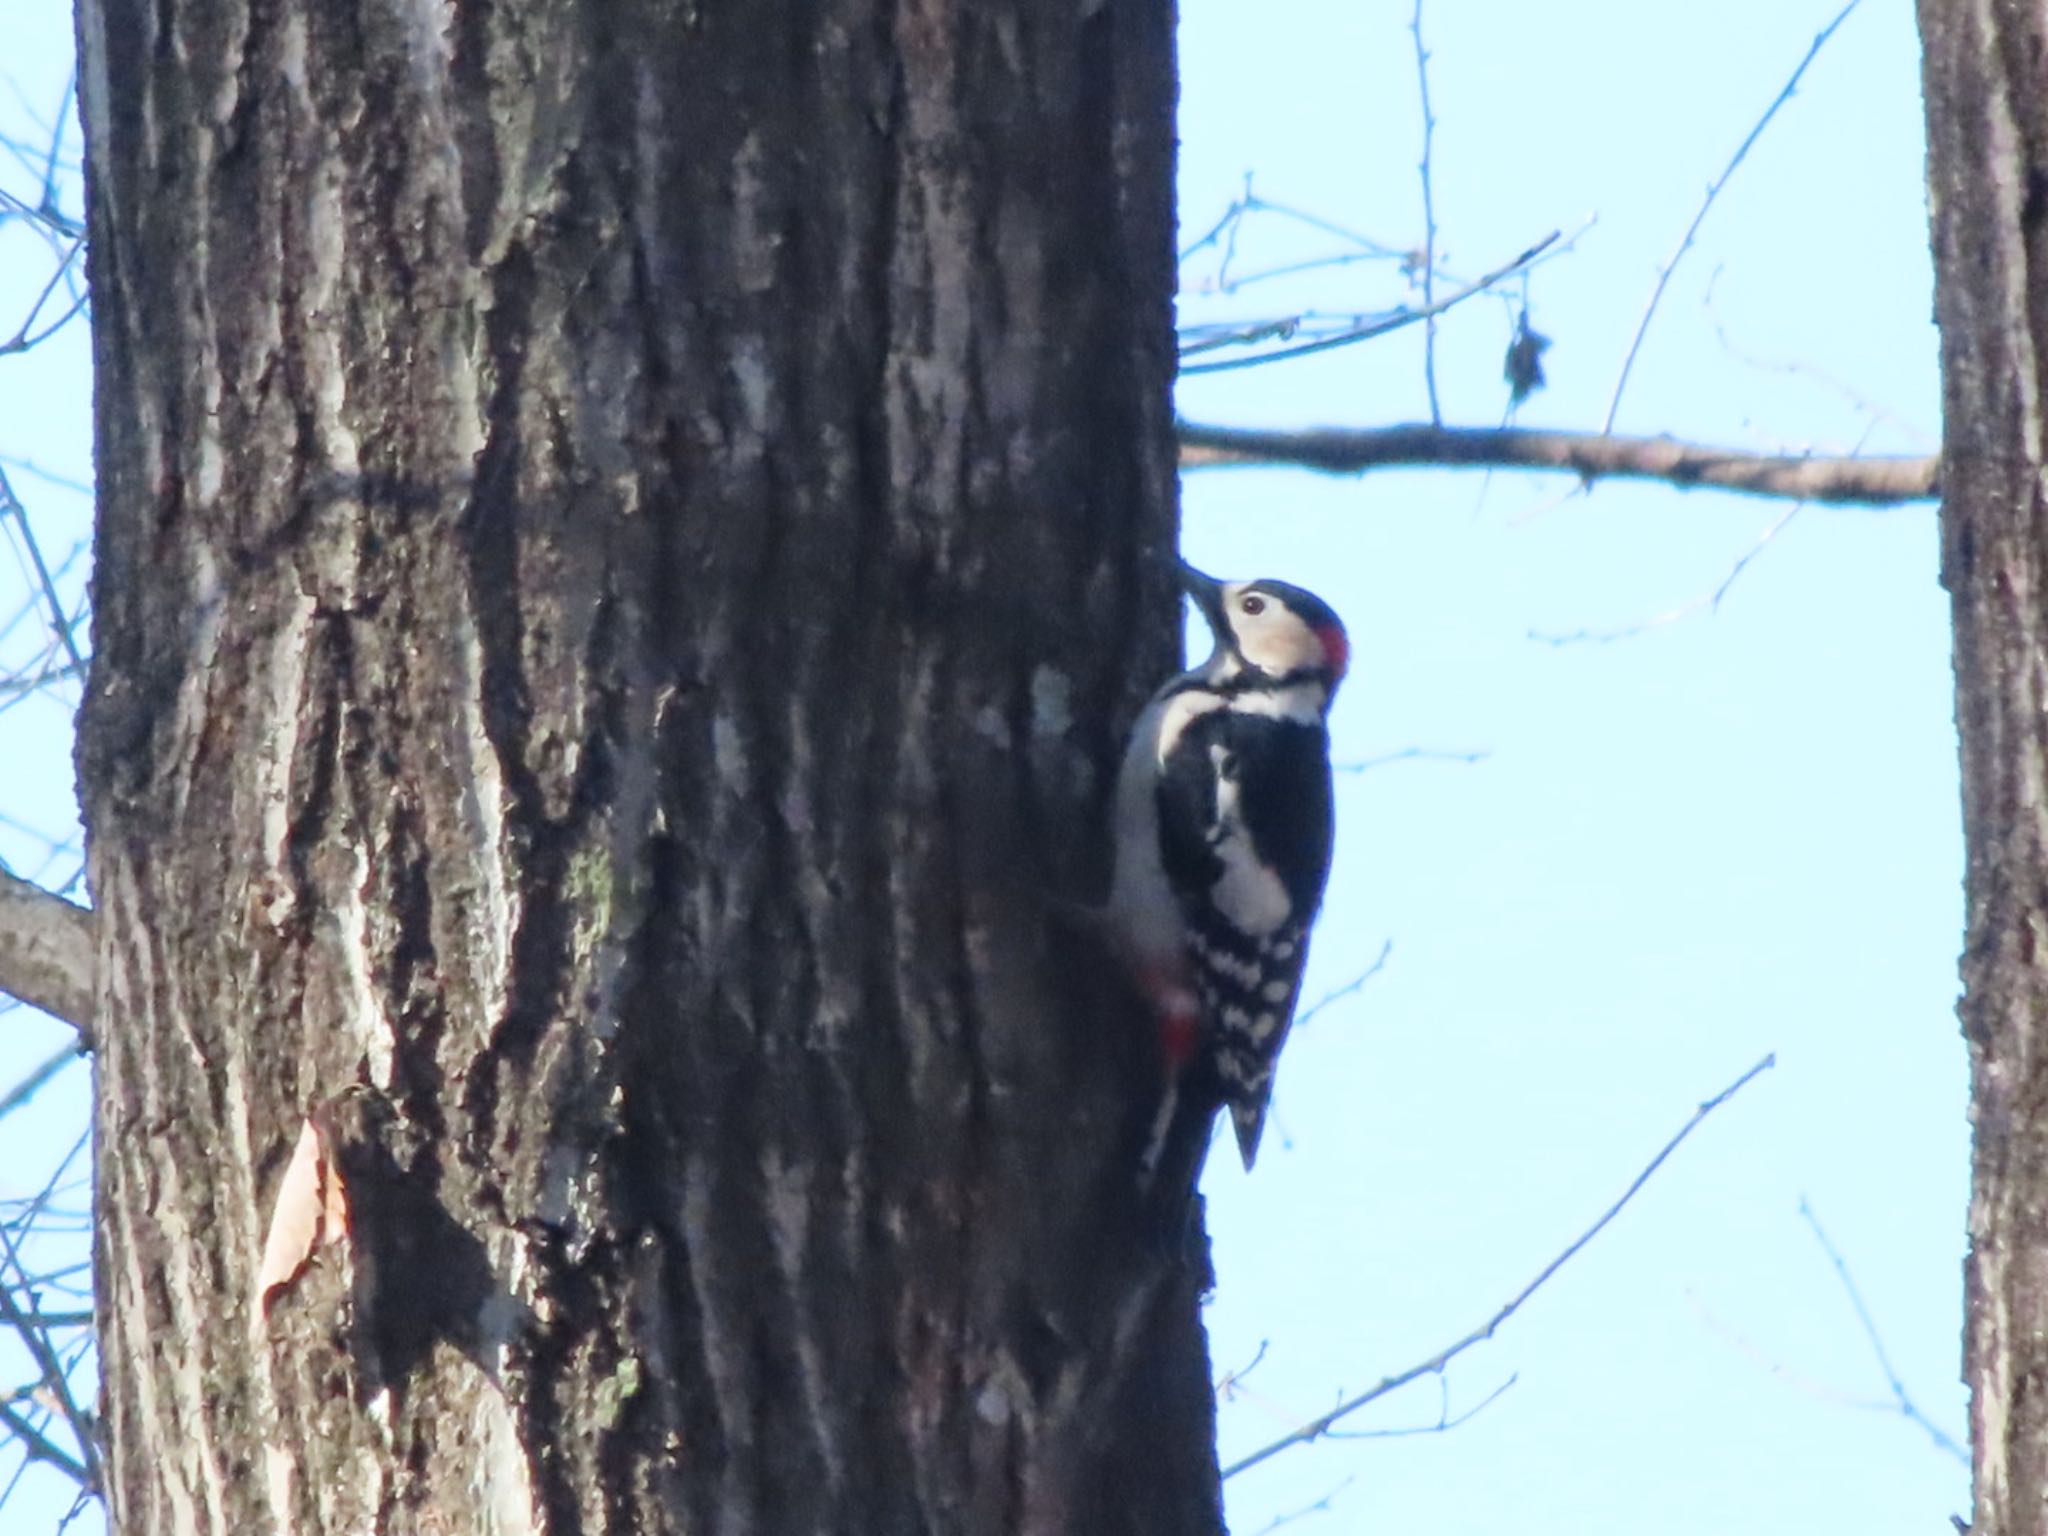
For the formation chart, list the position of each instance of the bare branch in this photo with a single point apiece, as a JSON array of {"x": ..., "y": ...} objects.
[
  {"x": 1381, "y": 325},
  {"x": 26, "y": 336},
  {"x": 46, "y": 1320},
  {"x": 1315, "y": 1429},
  {"x": 54, "y": 1382},
  {"x": 1836, "y": 480},
  {"x": 46, "y": 952},
  {"x": 40, "y": 1447},
  {"x": 1714, "y": 187},
  {"x": 60, "y": 623}
]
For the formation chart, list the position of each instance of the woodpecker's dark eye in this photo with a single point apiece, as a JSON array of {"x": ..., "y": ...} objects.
[{"x": 1253, "y": 604}]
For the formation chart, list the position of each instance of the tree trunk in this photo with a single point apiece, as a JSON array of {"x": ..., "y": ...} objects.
[
  {"x": 1986, "y": 81},
  {"x": 627, "y": 536}
]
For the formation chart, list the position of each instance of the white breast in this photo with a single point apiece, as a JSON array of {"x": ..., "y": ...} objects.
[{"x": 1142, "y": 906}]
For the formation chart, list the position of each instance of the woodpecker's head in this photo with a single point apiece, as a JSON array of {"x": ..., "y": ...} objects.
[{"x": 1269, "y": 628}]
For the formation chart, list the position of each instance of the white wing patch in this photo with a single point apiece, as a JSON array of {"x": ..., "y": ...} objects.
[
  {"x": 1248, "y": 893},
  {"x": 1181, "y": 711}
]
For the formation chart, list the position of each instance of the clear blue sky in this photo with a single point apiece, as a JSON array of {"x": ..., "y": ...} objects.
[{"x": 1727, "y": 834}]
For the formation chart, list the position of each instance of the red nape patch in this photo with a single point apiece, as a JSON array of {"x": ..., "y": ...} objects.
[{"x": 1336, "y": 646}]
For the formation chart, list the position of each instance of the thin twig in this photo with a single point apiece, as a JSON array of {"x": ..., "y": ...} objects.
[
  {"x": 30, "y": 467},
  {"x": 1707, "y": 602},
  {"x": 13, "y": 688},
  {"x": 1214, "y": 233},
  {"x": 1321, "y": 1506},
  {"x": 51, "y": 221},
  {"x": 1445, "y": 1421},
  {"x": 1411, "y": 755},
  {"x": 59, "y": 624},
  {"x": 1231, "y": 1379},
  {"x": 1773, "y": 1366},
  {"x": 22, "y": 340},
  {"x": 33, "y": 606},
  {"x": 25, "y": 1090},
  {"x": 1256, "y": 204},
  {"x": 57, "y": 143},
  {"x": 51, "y": 1369},
  {"x": 85, "y": 1500},
  {"x": 1908, "y": 1409},
  {"x": 1706, "y": 205},
  {"x": 1354, "y": 984},
  {"x": 1436, "y": 414},
  {"x": 1393, "y": 322},
  {"x": 1315, "y": 1429},
  {"x": 1289, "y": 269},
  {"x": 1877, "y": 412},
  {"x": 29, "y": 1211}
]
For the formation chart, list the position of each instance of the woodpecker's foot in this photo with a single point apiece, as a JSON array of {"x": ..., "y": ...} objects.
[{"x": 1177, "y": 1236}]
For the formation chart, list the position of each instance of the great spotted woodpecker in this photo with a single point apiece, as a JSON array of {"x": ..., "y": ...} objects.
[{"x": 1223, "y": 837}]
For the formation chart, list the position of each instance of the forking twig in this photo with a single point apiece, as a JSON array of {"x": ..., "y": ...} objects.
[
  {"x": 1315, "y": 1429},
  {"x": 1713, "y": 191},
  {"x": 1908, "y": 1409}
]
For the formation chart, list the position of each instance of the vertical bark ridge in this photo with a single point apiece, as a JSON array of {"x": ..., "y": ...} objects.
[
  {"x": 629, "y": 534},
  {"x": 1987, "y": 110}
]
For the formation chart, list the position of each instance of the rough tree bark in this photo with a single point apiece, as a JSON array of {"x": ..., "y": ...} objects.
[
  {"x": 1986, "y": 83},
  {"x": 627, "y": 533}
]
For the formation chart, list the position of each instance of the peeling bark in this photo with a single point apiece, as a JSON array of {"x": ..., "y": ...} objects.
[
  {"x": 627, "y": 536},
  {"x": 1986, "y": 87}
]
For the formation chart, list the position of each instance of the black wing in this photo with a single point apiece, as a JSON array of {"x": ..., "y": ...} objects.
[{"x": 1242, "y": 786}]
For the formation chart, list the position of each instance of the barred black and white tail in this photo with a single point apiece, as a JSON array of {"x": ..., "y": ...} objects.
[{"x": 1247, "y": 987}]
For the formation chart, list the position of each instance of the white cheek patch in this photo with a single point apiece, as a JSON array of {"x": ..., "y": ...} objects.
[{"x": 1278, "y": 642}]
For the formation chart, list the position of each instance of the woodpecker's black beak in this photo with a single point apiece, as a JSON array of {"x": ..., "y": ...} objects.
[{"x": 1207, "y": 592}]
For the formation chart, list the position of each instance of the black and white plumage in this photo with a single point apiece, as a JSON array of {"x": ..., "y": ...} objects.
[{"x": 1224, "y": 830}]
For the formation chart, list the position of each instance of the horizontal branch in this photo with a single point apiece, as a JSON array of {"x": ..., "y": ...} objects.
[
  {"x": 1351, "y": 451},
  {"x": 46, "y": 951}
]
